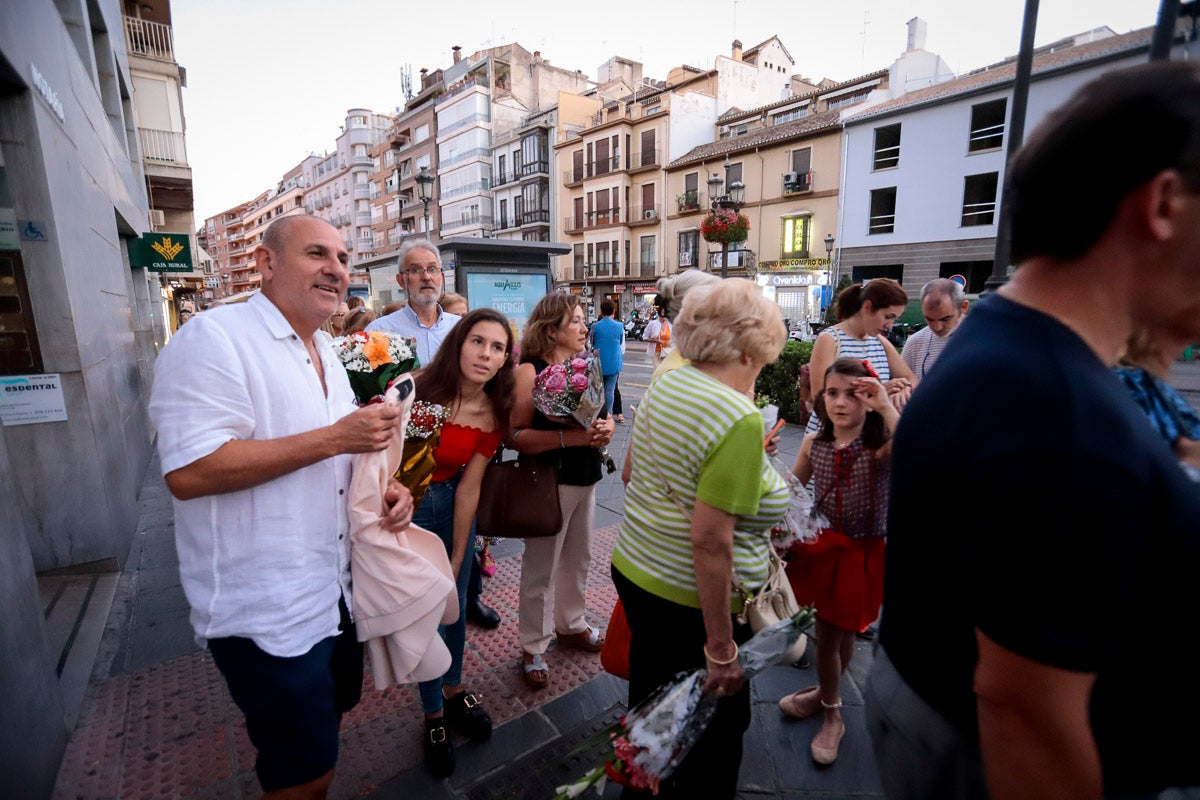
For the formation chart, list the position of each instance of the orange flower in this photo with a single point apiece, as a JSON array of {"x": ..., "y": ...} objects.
[{"x": 376, "y": 350}]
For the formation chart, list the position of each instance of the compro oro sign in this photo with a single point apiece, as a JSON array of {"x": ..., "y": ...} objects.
[
  {"x": 26, "y": 399},
  {"x": 162, "y": 252}
]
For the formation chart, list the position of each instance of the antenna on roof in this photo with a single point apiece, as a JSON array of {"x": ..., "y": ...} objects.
[
  {"x": 862, "y": 64},
  {"x": 406, "y": 81}
]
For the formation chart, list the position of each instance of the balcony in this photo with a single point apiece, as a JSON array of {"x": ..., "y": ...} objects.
[
  {"x": 362, "y": 191},
  {"x": 648, "y": 215},
  {"x": 689, "y": 201},
  {"x": 363, "y": 218},
  {"x": 460, "y": 87},
  {"x": 541, "y": 217},
  {"x": 149, "y": 39},
  {"x": 573, "y": 177},
  {"x": 479, "y": 116},
  {"x": 163, "y": 147},
  {"x": 647, "y": 269},
  {"x": 362, "y": 161},
  {"x": 796, "y": 182},
  {"x": 593, "y": 219},
  {"x": 467, "y": 221},
  {"x": 604, "y": 269},
  {"x": 647, "y": 159},
  {"x": 603, "y": 166},
  {"x": 535, "y": 169}
]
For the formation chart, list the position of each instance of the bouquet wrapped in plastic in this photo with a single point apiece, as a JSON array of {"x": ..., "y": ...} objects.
[
  {"x": 422, "y": 435},
  {"x": 654, "y": 737},
  {"x": 802, "y": 522},
  {"x": 573, "y": 392},
  {"x": 374, "y": 360}
]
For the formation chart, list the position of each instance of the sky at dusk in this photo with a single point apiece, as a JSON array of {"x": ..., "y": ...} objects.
[{"x": 269, "y": 81}]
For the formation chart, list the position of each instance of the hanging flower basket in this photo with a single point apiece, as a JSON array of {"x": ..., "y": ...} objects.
[{"x": 725, "y": 226}]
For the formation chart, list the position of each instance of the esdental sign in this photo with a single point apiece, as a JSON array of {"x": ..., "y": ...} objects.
[{"x": 29, "y": 399}]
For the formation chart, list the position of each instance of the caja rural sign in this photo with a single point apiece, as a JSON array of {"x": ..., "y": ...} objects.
[{"x": 162, "y": 252}]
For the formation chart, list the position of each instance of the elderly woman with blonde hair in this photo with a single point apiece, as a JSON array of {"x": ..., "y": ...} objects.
[{"x": 699, "y": 509}]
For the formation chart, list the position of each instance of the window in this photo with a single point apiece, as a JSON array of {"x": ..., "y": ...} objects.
[
  {"x": 603, "y": 264},
  {"x": 735, "y": 175},
  {"x": 690, "y": 199},
  {"x": 789, "y": 115},
  {"x": 987, "y": 126},
  {"x": 577, "y": 255},
  {"x": 649, "y": 155},
  {"x": 976, "y": 273},
  {"x": 603, "y": 165},
  {"x": 979, "y": 199},
  {"x": 19, "y": 350},
  {"x": 887, "y": 147},
  {"x": 421, "y": 133},
  {"x": 795, "y": 237},
  {"x": 800, "y": 178},
  {"x": 501, "y": 170},
  {"x": 689, "y": 248},
  {"x": 893, "y": 271},
  {"x": 647, "y": 265},
  {"x": 883, "y": 211},
  {"x": 503, "y": 221}
]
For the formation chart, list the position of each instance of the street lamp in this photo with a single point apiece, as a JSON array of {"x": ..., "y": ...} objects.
[
  {"x": 829, "y": 257},
  {"x": 733, "y": 200},
  {"x": 425, "y": 191}
]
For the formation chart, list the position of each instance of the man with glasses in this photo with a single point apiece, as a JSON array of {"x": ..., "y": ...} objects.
[
  {"x": 944, "y": 304},
  {"x": 422, "y": 319}
]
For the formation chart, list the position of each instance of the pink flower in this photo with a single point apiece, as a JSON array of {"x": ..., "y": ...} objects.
[
  {"x": 579, "y": 365},
  {"x": 556, "y": 382},
  {"x": 579, "y": 382},
  {"x": 557, "y": 369}
]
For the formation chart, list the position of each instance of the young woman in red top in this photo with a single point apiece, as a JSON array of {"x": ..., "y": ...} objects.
[{"x": 472, "y": 376}]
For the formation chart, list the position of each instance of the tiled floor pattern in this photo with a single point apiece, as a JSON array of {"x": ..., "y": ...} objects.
[{"x": 171, "y": 729}]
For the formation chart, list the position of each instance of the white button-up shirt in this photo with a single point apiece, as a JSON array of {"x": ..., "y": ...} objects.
[
  {"x": 267, "y": 563},
  {"x": 406, "y": 323}
]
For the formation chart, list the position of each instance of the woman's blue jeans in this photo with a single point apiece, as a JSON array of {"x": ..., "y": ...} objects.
[{"x": 436, "y": 513}]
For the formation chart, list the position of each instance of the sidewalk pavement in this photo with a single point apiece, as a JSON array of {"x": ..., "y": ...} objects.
[{"x": 158, "y": 722}]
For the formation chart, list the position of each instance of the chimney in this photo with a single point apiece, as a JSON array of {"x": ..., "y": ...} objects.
[
  {"x": 424, "y": 78},
  {"x": 537, "y": 56},
  {"x": 737, "y": 49},
  {"x": 916, "y": 33},
  {"x": 457, "y": 53}
]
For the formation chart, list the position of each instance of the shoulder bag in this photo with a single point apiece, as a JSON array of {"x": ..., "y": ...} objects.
[
  {"x": 518, "y": 499},
  {"x": 773, "y": 602}
]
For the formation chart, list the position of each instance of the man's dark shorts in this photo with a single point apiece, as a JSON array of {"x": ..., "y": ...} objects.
[{"x": 293, "y": 705}]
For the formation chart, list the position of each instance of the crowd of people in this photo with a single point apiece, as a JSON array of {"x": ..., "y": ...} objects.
[{"x": 1019, "y": 565}]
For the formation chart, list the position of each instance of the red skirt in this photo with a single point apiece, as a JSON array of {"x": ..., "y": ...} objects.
[{"x": 842, "y": 577}]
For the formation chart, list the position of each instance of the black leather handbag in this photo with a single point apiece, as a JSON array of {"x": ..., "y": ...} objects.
[{"x": 518, "y": 499}]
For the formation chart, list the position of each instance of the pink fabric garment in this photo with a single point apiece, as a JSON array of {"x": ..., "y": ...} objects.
[{"x": 403, "y": 588}]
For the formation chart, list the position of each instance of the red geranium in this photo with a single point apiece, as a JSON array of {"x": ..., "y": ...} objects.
[{"x": 725, "y": 226}]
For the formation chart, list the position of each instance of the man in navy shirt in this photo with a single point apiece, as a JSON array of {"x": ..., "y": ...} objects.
[{"x": 1022, "y": 643}]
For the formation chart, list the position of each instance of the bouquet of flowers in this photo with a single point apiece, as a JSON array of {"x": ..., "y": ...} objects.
[
  {"x": 421, "y": 437},
  {"x": 373, "y": 360},
  {"x": 725, "y": 226},
  {"x": 573, "y": 391},
  {"x": 802, "y": 522},
  {"x": 654, "y": 737}
]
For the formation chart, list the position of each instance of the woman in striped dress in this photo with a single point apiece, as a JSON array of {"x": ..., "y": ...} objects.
[
  {"x": 699, "y": 508},
  {"x": 865, "y": 312}
]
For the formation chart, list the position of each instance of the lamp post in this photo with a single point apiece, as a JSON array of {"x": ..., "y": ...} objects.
[
  {"x": 733, "y": 200},
  {"x": 425, "y": 192},
  {"x": 829, "y": 257}
]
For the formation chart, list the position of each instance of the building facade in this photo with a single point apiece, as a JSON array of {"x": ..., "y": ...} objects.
[{"x": 77, "y": 321}]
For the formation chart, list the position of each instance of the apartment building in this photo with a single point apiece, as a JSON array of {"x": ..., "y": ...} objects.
[
  {"x": 614, "y": 186},
  {"x": 924, "y": 170},
  {"x": 521, "y": 178},
  {"x": 79, "y": 324},
  {"x": 158, "y": 83}
]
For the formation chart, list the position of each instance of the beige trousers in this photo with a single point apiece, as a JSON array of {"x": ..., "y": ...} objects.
[{"x": 554, "y": 573}]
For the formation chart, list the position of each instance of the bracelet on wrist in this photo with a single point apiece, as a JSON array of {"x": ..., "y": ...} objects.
[{"x": 718, "y": 662}]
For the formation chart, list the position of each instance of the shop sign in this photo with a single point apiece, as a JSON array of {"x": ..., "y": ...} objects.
[
  {"x": 9, "y": 239},
  {"x": 792, "y": 280},
  {"x": 618, "y": 287},
  {"x": 29, "y": 399},
  {"x": 162, "y": 252},
  {"x": 645, "y": 288}
]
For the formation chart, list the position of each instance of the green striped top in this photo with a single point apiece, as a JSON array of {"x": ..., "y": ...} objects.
[{"x": 703, "y": 440}]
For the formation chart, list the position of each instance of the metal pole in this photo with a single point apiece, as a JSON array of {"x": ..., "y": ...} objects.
[
  {"x": 1164, "y": 31},
  {"x": 724, "y": 260},
  {"x": 1016, "y": 135}
]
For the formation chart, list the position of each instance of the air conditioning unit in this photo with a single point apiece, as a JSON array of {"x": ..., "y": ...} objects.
[
  {"x": 651, "y": 213},
  {"x": 158, "y": 218},
  {"x": 791, "y": 178}
]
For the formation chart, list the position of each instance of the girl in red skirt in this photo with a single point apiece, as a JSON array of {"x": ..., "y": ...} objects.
[{"x": 842, "y": 572}]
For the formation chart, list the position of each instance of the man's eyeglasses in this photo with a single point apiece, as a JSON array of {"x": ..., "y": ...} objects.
[{"x": 416, "y": 272}]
